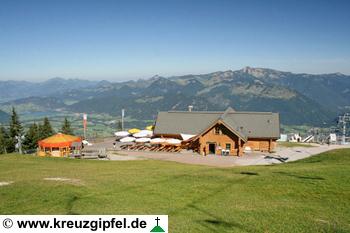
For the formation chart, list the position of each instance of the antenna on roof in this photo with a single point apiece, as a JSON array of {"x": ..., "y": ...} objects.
[{"x": 190, "y": 107}]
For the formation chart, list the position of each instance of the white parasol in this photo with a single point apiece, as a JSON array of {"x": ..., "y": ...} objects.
[
  {"x": 173, "y": 141},
  {"x": 127, "y": 139},
  {"x": 142, "y": 140},
  {"x": 143, "y": 134},
  {"x": 157, "y": 140},
  {"x": 121, "y": 133}
]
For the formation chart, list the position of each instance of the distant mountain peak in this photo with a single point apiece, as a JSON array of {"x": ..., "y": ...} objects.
[
  {"x": 56, "y": 79},
  {"x": 262, "y": 72},
  {"x": 104, "y": 82},
  {"x": 256, "y": 72},
  {"x": 339, "y": 74},
  {"x": 228, "y": 73},
  {"x": 246, "y": 69},
  {"x": 155, "y": 76}
]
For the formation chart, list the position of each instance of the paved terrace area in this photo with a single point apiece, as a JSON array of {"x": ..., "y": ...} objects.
[{"x": 187, "y": 157}]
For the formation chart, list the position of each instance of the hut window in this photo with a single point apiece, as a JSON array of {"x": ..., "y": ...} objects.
[
  {"x": 228, "y": 146},
  {"x": 217, "y": 130}
]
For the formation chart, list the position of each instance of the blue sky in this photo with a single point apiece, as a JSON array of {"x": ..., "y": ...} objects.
[{"x": 120, "y": 40}]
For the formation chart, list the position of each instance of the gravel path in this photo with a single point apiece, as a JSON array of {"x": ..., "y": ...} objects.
[
  {"x": 256, "y": 158},
  {"x": 248, "y": 159},
  {"x": 297, "y": 153}
]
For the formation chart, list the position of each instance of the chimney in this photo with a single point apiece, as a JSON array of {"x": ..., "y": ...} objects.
[{"x": 190, "y": 107}]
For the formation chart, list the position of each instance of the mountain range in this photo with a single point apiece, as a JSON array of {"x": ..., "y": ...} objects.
[
  {"x": 13, "y": 90},
  {"x": 301, "y": 99}
]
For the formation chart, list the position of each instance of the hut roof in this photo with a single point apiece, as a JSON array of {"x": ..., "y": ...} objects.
[
  {"x": 249, "y": 124},
  {"x": 59, "y": 140}
]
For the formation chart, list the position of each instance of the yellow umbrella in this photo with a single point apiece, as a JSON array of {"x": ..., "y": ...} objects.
[
  {"x": 134, "y": 130},
  {"x": 150, "y": 127}
]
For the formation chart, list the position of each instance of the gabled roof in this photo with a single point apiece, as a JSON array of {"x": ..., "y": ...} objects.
[
  {"x": 241, "y": 135},
  {"x": 247, "y": 124}
]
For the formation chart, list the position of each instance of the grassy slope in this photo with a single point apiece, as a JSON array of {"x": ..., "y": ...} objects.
[{"x": 312, "y": 195}]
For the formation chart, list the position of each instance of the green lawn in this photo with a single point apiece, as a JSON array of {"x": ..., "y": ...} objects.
[
  {"x": 312, "y": 195},
  {"x": 294, "y": 144}
]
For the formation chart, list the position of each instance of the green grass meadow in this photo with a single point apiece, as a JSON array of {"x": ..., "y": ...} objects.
[{"x": 311, "y": 195}]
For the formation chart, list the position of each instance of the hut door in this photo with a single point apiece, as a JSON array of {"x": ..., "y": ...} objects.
[{"x": 211, "y": 148}]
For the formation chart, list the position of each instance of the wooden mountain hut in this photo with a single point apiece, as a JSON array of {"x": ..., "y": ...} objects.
[{"x": 221, "y": 133}]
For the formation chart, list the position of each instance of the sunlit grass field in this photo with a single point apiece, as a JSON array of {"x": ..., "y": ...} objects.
[{"x": 312, "y": 195}]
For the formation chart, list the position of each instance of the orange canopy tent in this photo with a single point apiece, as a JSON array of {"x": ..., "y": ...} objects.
[{"x": 61, "y": 143}]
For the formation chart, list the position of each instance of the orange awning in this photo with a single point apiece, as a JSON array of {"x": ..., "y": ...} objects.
[{"x": 59, "y": 140}]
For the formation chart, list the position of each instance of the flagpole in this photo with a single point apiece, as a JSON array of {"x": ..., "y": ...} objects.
[
  {"x": 84, "y": 124},
  {"x": 123, "y": 112}
]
